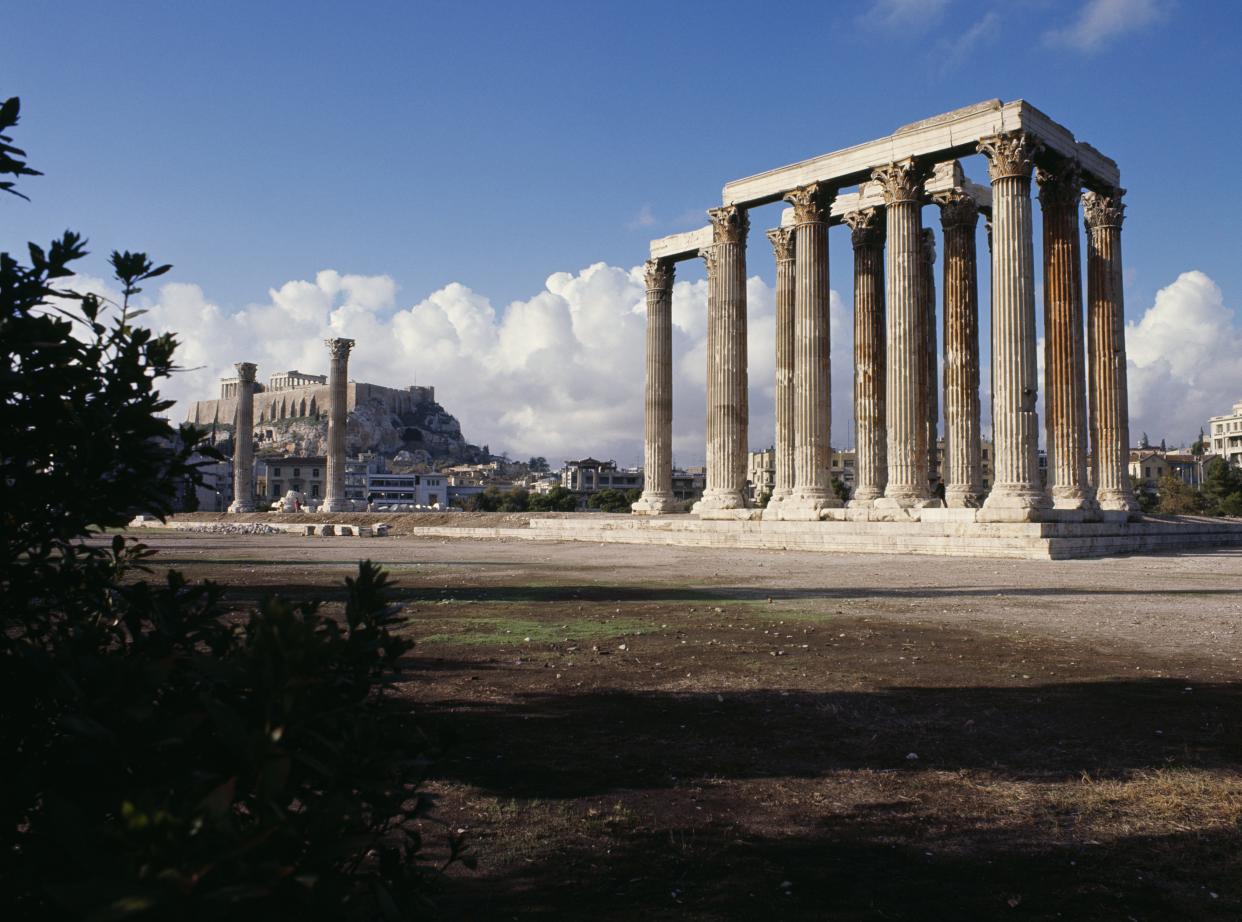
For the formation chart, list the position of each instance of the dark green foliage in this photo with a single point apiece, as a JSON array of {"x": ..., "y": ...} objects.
[
  {"x": 843, "y": 492},
  {"x": 12, "y": 162},
  {"x": 164, "y": 758},
  {"x": 1222, "y": 488},
  {"x": 558, "y": 499},
  {"x": 764, "y": 498},
  {"x": 538, "y": 465},
  {"x": 610, "y": 500},
  {"x": 1178, "y": 498}
]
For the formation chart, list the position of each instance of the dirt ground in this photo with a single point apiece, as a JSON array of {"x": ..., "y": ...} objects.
[{"x": 663, "y": 733}]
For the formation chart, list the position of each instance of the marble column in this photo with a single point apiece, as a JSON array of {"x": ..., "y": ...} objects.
[
  {"x": 243, "y": 440},
  {"x": 931, "y": 360},
  {"x": 906, "y": 390},
  {"x": 812, "y": 489},
  {"x": 1065, "y": 402},
  {"x": 1017, "y": 494},
  {"x": 657, "y": 497},
  {"x": 727, "y": 409},
  {"x": 1106, "y": 326},
  {"x": 338, "y": 399},
  {"x": 784, "y": 247},
  {"x": 963, "y": 470},
  {"x": 871, "y": 465}
]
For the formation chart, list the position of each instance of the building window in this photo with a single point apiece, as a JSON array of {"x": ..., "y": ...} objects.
[
  {"x": 276, "y": 488},
  {"x": 297, "y": 472},
  {"x": 275, "y": 472},
  {"x": 315, "y": 490},
  {"x": 315, "y": 472}
]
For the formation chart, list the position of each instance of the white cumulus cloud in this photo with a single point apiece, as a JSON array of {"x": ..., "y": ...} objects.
[
  {"x": 1185, "y": 360},
  {"x": 557, "y": 374}
]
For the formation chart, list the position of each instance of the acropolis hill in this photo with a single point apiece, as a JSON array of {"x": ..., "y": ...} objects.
[{"x": 291, "y": 415}]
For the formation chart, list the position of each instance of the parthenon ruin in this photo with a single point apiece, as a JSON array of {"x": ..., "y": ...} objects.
[{"x": 897, "y": 398}]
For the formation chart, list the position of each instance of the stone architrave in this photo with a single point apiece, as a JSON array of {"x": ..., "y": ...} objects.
[
  {"x": 1106, "y": 333},
  {"x": 784, "y": 248},
  {"x": 871, "y": 465},
  {"x": 243, "y": 440},
  {"x": 1065, "y": 402},
  {"x": 963, "y": 472},
  {"x": 657, "y": 497},
  {"x": 931, "y": 360},
  {"x": 906, "y": 390},
  {"x": 812, "y": 491},
  {"x": 1017, "y": 494},
  {"x": 727, "y": 408},
  {"x": 338, "y": 398}
]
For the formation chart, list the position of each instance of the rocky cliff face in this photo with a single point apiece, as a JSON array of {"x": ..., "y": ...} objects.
[{"x": 425, "y": 434}]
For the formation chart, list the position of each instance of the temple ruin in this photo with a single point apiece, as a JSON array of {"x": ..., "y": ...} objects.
[{"x": 897, "y": 397}]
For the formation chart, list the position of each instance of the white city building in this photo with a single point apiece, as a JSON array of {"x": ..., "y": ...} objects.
[{"x": 1225, "y": 434}]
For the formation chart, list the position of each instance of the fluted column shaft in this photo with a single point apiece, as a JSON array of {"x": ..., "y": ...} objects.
[
  {"x": 931, "y": 360},
  {"x": 727, "y": 407},
  {"x": 1106, "y": 326},
  {"x": 871, "y": 465},
  {"x": 243, "y": 441},
  {"x": 963, "y": 471},
  {"x": 906, "y": 390},
  {"x": 338, "y": 412},
  {"x": 1065, "y": 404},
  {"x": 812, "y": 373},
  {"x": 657, "y": 497},
  {"x": 784, "y": 246},
  {"x": 1017, "y": 494}
]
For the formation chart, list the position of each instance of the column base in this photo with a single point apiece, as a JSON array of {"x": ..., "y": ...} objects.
[
  {"x": 963, "y": 497},
  {"x": 865, "y": 496},
  {"x": 1015, "y": 504},
  {"x": 1119, "y": 501},
  {"x": 720, "y": 501},
  {"x": 336, "y": 505},
  {"x": 902, "y": 506},
  {"x": 1073, "y": 504},
  {"x": 655, "y": 504},
  {"x": 806, "y": 505},
  {"x": 240, "y": 506}
]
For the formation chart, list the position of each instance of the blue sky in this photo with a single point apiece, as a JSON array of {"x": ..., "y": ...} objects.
[{"x": 493, "y": 144}]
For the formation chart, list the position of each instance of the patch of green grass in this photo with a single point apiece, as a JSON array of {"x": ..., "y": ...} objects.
[{"x": 500, "y": 631}]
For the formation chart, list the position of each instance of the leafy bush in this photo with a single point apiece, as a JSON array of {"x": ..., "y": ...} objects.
[
  {"x": 558, "y": 499},
  {"x": 1178, "y": 498},
  {"x": 610, "y": 500},
  {"x": 167, "y": 758},
  {"x": 1222, "y": 488}
]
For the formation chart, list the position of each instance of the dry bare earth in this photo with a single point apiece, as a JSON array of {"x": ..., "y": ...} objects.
[{"x": 693, "y": 733}]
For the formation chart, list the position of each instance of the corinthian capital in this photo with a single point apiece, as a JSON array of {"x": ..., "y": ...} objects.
[
  {"x": 245, "y": 372},
  {"x": 711, "y": 258},
  {"x": 809, "y": 203},
  {"x": 1011, "y": 153},
  {"x": 902, "y": 181},
  {"x": 339, "y": 348},
  {"x": 957, "y": 209},
  {"x": 866, "y": 227},
  {"x": 729, "y": 224},
  {"x": 659, "y": 274},
  {"x": 782, "y": 243},
  {"x": 1060, "y": 185},
  {"x": 1102, "y": 210}
]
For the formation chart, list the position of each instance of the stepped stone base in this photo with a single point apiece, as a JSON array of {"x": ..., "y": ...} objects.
[{"x": 950, "y": 534}]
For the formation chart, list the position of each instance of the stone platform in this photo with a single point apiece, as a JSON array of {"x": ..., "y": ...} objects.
[{"x": 946, "y": 538}]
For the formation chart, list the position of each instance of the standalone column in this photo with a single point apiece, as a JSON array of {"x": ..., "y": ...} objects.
[
  {"x": 1106, "y": 325},
  {"x": 812, "y": 373},
  {"x": 338, "y": 397},
  {"x": 871, "y": 466},
  {"x": 906, "y": 391},
  {"x": 1065, "y": 402},
  {"x": 243, "y": 440},
  {"x": 963, "y": 473},
  {"x": 727, "y": 410},
  {"x": 657, "y": 498},
  {"x": 1017, "y": 495},
  {"x": 931, "y": 360},
  {"x": 784, "y": 247}
]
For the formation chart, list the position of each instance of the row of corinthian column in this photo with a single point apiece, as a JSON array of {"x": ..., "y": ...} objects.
[{"x": 895, "y": 356}]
